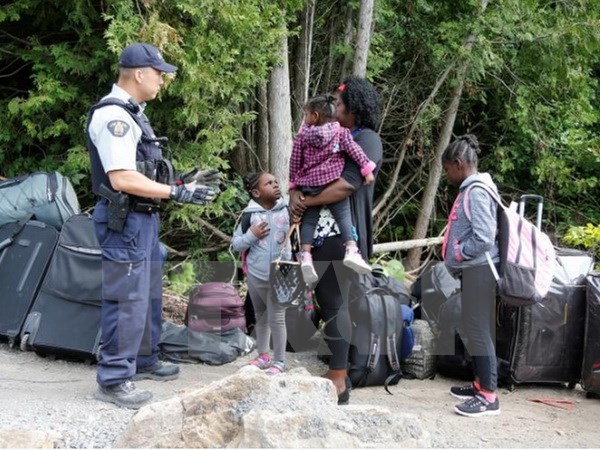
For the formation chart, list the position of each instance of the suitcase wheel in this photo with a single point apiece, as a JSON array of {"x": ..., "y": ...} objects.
[{"x": 23, "y": 345}]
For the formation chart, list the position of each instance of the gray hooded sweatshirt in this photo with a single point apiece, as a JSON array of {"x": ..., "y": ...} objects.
[
  {"x": 261, "y": 252},
  {"x": 468, "y": 240}
]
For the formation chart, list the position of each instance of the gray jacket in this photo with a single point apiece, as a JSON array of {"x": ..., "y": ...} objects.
[
  {"x": 261, "y": 252},
  {"x": 468, "y": 240}
]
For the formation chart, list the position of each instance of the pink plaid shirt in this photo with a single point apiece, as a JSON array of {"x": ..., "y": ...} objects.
[{"x": 318, "y": 155}]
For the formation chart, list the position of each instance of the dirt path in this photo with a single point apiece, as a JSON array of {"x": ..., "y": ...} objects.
[{"x": 57, "y": 395}]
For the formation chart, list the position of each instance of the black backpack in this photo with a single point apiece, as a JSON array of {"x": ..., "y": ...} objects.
[{"x": 377, "y": 322}]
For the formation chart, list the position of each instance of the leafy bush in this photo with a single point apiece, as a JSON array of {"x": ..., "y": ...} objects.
[{"x": 587, "y": 237}]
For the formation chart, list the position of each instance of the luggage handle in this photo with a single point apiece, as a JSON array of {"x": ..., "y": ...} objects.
[
  {"x": 540, "y": 207},
  {"x": 18, "y": 227}
]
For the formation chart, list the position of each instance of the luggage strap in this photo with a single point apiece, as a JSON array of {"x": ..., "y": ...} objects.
[
  {"x": 18, "y": 227},
  {"x": 559, "y": 403},
  {"x": 387, "y": 323},
  {"x": 391, "y": 336},
  {"x": 373, "y": 300}
]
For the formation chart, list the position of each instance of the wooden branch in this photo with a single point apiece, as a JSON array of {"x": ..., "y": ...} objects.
[
  {"x": 215, "y": 230},
  {"x": 381, "y": 202},
  {"x": 172, "y": 251},
  {"x": 406, "y": 245}
]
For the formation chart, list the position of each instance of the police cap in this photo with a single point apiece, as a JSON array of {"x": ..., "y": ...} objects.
[{"x": 144, "y": 55}]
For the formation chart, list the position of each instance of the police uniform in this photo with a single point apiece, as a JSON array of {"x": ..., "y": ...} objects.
[{"x": 132, "y": 258}]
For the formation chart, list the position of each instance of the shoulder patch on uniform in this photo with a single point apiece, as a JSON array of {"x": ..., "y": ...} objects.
[{"x": 117, "y": 128}]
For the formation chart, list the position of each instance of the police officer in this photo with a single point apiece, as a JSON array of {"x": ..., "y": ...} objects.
[{"x": 120, "y": 140}]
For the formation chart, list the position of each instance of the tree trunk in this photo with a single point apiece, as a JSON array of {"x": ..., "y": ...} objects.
[
  {"x": 280, "y": 118},
  {"x": 302, "y": 63},
  {"x": 348, "y": 32},
  {"x": 363, "y": 38},
  {"x": 435, "y": 172},
  {"x": 239, "y": 156},
  {"x": 262, "y": 125}
]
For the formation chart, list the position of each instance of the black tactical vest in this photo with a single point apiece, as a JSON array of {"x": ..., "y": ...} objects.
[{"x": 148, "y": 148}]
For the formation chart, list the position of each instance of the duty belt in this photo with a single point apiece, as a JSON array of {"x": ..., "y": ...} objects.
[
  {"x": 144, "y": 207},
  {"x": 139, "y": 206}
]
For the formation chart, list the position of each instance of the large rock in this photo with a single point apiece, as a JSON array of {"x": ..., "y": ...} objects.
[
  {"x": 252, "y": 410},
  {"x": 17, "y": 438}
]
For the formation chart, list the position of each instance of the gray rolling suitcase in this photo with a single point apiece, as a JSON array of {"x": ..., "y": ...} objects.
[
  {"x": 26, "y": 248},
  {"x": 64, "y": 320}
]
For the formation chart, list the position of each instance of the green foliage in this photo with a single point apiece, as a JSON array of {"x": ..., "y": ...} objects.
[
  {"x": 547, "y": 124},
  {"x": 587, "y": 237},
  {"x": 180, "y": 277},
  {"x": 393, "y": 268},
  {"x": 531, "y": 96}
]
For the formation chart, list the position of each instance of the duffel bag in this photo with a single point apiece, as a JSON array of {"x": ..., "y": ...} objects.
[
  {"x": 49, "y": 196},
  {"x": 215, "y": 306}
]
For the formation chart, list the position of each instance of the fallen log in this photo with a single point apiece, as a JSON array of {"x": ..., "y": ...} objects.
[{"x": 406, "y": 245}]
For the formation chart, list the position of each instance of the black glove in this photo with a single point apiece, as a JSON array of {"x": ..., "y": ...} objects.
[
  {"x": 197, "y": 194},
  {"x": 208, "y": 177}
]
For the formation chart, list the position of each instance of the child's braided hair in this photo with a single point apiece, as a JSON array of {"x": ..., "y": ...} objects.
[
  {"x": 323, "y": 104},
  {"x": 251, "y": 180},
  {"x": 465, "y": 148}
]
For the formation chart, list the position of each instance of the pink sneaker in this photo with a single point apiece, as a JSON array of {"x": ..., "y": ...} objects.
[
  {"x": 263, "y": 361},
  {"x": 353, "y": 260},
  {"x": 308, "y": 270}
]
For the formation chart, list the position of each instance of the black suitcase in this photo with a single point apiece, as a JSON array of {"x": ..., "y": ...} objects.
[
  {"x": 435, "y": 287},
  {"x": 453, "y": 359},
  {"x": 24, "y": 259},
  {"x": 543, "y": 343},
  {"x": 590, "y": 372},
  {"x": 64, "y": 320},
  {"x": 302, "y": 323}
]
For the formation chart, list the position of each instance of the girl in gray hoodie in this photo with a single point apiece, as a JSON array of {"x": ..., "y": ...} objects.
[
  {"x": 468, "y": 238},
  {"x": 264, "y": 240}
]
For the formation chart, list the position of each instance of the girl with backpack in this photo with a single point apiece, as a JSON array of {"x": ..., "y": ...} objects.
[
  {"x": 263, "y": 241},
  {"x": 465, "y": 245}
]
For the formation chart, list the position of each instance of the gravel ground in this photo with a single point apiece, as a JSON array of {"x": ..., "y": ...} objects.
[{"x": 38, "y": 393}]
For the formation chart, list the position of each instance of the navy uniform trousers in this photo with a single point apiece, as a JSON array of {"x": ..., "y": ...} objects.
[{"x": 131, "y": 295}]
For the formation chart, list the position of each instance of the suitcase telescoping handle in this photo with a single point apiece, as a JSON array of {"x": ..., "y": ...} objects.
[
  {"x": 16, "y": 230},
  {"x": 540, "y": 207}
]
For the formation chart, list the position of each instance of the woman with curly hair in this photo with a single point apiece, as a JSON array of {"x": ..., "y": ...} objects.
[{"x": 357, "y": 109}]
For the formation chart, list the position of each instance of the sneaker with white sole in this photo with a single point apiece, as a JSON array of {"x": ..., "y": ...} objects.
[
  {"x": 478, "y": 406},
  {"x": 463, "y": 392},
  {"x": 354, "y": 261},
  {"x": 277, "y": 367},
  {"x": 308, "y": 269}
]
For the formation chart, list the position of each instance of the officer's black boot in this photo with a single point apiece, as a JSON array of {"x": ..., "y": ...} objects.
[
  {"x": 161, "y": 371},
  {"x": 124, "y": 394}
]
